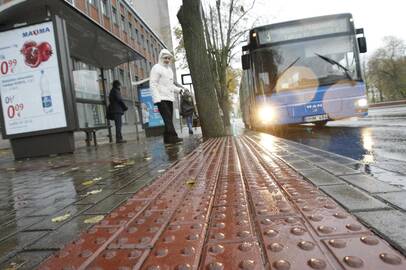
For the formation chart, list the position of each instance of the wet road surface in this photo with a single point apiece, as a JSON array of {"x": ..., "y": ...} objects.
[{"x": 378, "y": 141}]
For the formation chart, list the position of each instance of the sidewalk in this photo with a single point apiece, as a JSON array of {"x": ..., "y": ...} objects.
[{"x": 248, "y": 202}]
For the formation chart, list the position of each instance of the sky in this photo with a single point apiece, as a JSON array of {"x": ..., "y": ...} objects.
[{"x": 378, "y": 18}]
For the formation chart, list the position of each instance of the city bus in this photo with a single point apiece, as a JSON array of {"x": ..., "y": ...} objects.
[{"x": 303, "y": 71}]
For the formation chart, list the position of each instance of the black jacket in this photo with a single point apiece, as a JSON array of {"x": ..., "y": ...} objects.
[
  {"x": 117, "y": 105},
  {"x": 186, "y": 105}
]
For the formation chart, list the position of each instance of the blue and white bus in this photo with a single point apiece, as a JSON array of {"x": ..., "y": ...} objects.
[{"x": 303, "y": 71}]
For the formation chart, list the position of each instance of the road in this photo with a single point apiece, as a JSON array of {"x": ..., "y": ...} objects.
[{"x": 378, "y": 141}]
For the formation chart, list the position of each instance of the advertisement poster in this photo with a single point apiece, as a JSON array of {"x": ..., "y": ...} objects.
[
  {"x": 30, "y": 85},
  {"x": 150, "y": 112}
]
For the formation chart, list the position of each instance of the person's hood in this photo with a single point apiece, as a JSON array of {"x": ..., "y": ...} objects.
[{"x": 162, "y": 54}]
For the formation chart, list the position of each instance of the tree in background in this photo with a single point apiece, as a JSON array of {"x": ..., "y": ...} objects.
[
  {"x": 387, "y": 69},
  {"x": 190, "y": 18},
  {"x": 225, "y": 24}
]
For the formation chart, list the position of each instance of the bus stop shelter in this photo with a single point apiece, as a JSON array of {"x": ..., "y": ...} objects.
[{"x": 75, "y": 35}]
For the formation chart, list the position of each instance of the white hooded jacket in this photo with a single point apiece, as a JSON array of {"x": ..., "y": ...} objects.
[{"x": 161, "y": 80}]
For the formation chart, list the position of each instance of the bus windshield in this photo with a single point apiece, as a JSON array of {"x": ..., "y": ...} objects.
[{"x": 296, "y": 65}]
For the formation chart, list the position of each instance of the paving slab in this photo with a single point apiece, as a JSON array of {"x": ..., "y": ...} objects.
[
  {"x": 390, "y": 224},
  {"x": 320, "y": 177},
  {"x": 17, "y": 226},
  {"x": 16, "y": 243},
  {"x": 336, "y": 169},
  {"x": 301, "y": 165},
  {"x": 353, "y": 199},
  {"x": 25, "y": 260},
  {"x": 47, "y": 225},
  {"x": 396, "y": 198},
  {"x": 108, "y": 204},
  {"x": 63, "y": 234},
  {"x": 369, "y": 184}
]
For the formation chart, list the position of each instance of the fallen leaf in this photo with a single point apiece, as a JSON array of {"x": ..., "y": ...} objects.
[
  {"x": 92, "y": 192},
  {"x": 88, "y": 183},
  {"x": 61, "y": 218},
  {"x": 96, "y": 179},
  {"x": 161, "y": 171},
  {"x": 119, "y": 166},
  {"x": 14, "y": 266},
  {"x": 190, "y": 183},
  {"x": 94, "y": 219},
  {"x": 148, "y": 158}
]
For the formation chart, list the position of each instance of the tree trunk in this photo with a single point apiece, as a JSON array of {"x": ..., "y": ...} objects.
[{"x": 190, "y": 19}]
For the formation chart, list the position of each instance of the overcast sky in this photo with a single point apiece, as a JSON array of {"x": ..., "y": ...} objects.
[{"x": 378, "y": 18}]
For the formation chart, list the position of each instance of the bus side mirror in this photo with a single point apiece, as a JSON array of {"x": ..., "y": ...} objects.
[
  {"x": 245, "y": 60},
  {"x": 362, "y": 44}
]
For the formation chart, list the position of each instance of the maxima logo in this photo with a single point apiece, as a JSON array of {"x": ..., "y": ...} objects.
[{"x": 36, "y": 32}]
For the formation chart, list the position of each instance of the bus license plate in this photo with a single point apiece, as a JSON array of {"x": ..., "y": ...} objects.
[{"x": 314, "y": 118}]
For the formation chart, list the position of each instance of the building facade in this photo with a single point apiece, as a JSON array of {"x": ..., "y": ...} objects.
[{"x": 121, "y": 19}]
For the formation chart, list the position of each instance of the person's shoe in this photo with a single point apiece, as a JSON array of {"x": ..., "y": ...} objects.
[
  {"x": 191, "y": 132},
  {"x": 121, "y": 141}
]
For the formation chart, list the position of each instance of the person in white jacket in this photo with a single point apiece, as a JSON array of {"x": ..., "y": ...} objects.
[{"x": 163, "y": 93}]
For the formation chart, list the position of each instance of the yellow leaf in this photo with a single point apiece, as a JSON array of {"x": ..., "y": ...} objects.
[
  {"x": 94, "y": 219},
  {"x": 14, "y": 266},
  {"x": 88, "y": 183},
  {"x": 190, "y": 183},
  {"x": 119, "y": 166},
  {"x": 61, "y": 218}
]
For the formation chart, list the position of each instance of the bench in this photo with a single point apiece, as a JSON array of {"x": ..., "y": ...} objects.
[{"x": 91, "y": 134}]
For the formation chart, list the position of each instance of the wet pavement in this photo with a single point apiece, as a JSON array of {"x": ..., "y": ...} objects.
[
  {"x": 378, "y": 141},
  {"x": 251, "y": 202},
  {"x": 47, "y": 202},
  {"x": 232, "y": 204}
]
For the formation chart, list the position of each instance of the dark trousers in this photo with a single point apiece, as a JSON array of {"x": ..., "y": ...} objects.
[
  {"x": 118, "y": 122},
  {"x": 166, "y": 110}
]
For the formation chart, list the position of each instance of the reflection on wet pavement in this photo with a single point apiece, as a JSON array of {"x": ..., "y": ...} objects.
[
  {"x": 44, "y": 202},
  {"x": 377, "y": 141}
]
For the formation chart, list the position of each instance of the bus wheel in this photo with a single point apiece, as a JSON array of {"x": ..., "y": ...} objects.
[{"x": 320, "y": 124}]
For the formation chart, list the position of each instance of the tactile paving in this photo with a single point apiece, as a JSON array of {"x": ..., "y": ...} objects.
[{"x": 231, "y": 204}]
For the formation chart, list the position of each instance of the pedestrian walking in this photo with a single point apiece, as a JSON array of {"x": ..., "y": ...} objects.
[
  {"x": 163, "y": 94},
  {"x": 116, "y": 109},
  {"x": 187, "y": 109}
]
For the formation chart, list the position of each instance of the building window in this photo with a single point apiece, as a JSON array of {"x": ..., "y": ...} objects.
[
  {"x": 130, "y": 30},
  {"x": 114, "y": 17},
  {"x": 137, "y": 35},
  {"x": 122, "y": 25},
  {"x": 142, "y": 41},
  {"x": 104, "y": 8},
  {"x": 92, "y": 2}
]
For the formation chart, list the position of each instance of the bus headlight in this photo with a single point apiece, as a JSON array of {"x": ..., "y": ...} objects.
[
  {"x": 362, "y": 103},
  {"x": 266, "y": 114}
]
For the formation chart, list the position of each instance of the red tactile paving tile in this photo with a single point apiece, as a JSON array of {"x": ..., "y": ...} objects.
[
  {"x": 365, "y": 252},
  {"x": 242, "y": 255},
  {"x": 229, "y": 205},
  {"x": 120, "y": 259},
  {"x": 124, "y": 213},
  {"x": 289, "y": 244},
  {"x": 179, "y": 247},
  {"x": 230, "y": 224},
  {"x": 79, "y": 251}
]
